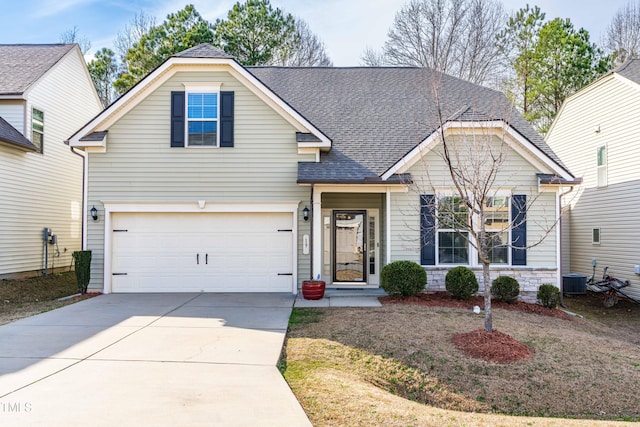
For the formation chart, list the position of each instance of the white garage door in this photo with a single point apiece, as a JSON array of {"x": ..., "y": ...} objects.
[{"x": 202, "y": 252}]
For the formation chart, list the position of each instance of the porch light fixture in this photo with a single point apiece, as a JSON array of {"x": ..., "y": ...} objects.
[
  {"x": 94, "y": 213},
  {"x": 305, "y": 214}
]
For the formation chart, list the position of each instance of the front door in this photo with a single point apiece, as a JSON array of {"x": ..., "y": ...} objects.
[{"x": 350, "y": 246}]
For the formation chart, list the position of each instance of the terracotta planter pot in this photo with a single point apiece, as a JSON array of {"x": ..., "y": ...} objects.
[{"x": 313, "y": 289}]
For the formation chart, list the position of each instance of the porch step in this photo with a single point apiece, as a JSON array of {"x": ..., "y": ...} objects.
[{"x": 344, "y": 298}]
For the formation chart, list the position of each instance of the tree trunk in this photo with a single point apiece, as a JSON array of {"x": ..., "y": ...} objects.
[{"x": 486, "y": 279}]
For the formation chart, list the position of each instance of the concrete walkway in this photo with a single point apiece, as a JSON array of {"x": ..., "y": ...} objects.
[{"x": 150, "y": 360}]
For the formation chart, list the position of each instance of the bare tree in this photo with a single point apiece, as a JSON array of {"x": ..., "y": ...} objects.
[
  {"x": 622, "y": 36},
  {"x": 130, "y": 36},
  {"x": 73, "y": 36},
  {"x": 473, "y": 152},
  {"x": 372, "y": 58},
  {"x": 456, "y": 37},
  {"x": 303, "y": 49}
]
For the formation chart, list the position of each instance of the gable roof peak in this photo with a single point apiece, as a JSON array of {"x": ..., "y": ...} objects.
[
  {"x": 203, "y": 50},
  {"x": 629, "y": 69},
  {"x": 21, "y": 65}
]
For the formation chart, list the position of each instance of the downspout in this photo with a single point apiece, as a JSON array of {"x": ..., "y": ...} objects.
[
  {"x": 311, "y": 235},
  {"x": 84, "y": 199},
  {"x": 560, "y": 196}
]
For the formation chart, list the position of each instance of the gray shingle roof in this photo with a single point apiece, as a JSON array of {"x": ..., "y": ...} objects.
[
  {"x": 11, "y": 135},
  {"x": 630, "y": 69},
  {"x": 375, "y": 116},
  {"x": 204, "y": 50},
  {"x": 21, "y": 65}
]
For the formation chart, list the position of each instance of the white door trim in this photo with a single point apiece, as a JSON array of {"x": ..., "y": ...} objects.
[{"x": 111, "y": 207}]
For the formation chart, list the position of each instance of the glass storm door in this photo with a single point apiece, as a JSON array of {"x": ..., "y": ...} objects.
[{"x": 350, "y": 246}]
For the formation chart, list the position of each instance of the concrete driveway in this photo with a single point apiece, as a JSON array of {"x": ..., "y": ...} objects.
[{"x": 150, "y": 360}]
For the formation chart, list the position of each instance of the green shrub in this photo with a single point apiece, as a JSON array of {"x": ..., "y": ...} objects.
[
  {"x": 461, "y": 282},
  {"x": 505, "y": 288},
  {"x": 82, "y": 260},
  {"x": 548, "y": 295},
  {"x": 403, "y": 278}
]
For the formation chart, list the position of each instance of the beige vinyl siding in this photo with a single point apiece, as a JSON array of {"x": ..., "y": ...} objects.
[
  {"x": 517, "y": 176},
  {"x": 610, "y": 106},
  {"x": 45, "y": 190},
  {"x": 140, "y": 165},
  {"x": 12, "y": 111}
]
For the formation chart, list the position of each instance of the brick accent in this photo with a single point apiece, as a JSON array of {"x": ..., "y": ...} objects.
[{"x": 529, "y": 279}]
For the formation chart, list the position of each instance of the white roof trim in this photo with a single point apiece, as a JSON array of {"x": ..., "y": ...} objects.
[
  {"x": 516, "y": 141},
  {"x": 165, "y": 71}
]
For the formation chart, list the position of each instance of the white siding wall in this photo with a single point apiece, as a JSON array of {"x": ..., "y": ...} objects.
[
  {"x": 12, "y": 111},
  {"x": 140, "y": 165},
  {"x": 45, "y": 190},
  {"x": 612, "y": 106},
  {"x": 517, "y": 176}
]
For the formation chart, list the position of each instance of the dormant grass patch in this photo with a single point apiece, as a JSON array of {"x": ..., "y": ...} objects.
[{"x": 397, "y": 365}]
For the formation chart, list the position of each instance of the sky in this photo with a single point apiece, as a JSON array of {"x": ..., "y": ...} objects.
[{"x": 345, "y": 26}]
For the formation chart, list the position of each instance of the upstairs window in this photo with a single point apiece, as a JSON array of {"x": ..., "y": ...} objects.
[
  {"x": 602, "y": 166},
  {"x": 37, "y": 128},
  {"x": 202, "y": 119}
]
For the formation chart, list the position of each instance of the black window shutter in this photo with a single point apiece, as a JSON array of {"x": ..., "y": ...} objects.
[
  {"x": 177, "y": 119},
  {"x": 226, "y": 119},
  {"x": 427, "y": 230},
  {"x": 519, "y": 229}
]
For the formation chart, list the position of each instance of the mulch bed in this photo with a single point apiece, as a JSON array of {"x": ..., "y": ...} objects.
[
  {"x": 444, "y": 299},
  {"x": 493, "y": 346}
]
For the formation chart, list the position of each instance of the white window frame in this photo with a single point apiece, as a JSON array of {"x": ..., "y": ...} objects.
[
  {"x": 472, "y": 251},
  {"x": 439, "y": 230},
  {"x": 33, "y": 120},
  {"x": 602, "y": 172},
  {"x": 593, "y": 235},
  {"x": 206, "y": 88}
]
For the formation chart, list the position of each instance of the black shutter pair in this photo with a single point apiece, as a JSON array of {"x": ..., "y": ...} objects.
[
  {"x": 428, "y": 229},
  {"x": 178, "y": 119}
]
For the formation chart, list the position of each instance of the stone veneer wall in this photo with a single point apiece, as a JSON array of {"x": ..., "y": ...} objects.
[{"x": 529, "y": 279}]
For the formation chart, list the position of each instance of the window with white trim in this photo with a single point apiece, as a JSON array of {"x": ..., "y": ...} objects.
[
  {"x": 37, "y": 128},
  {"x": 453, "y": 241},
  {"x": 202, "y": 119},
  {"x": 602, "y": 166},
  {"x": 595, "y": 236},
  {"x": 496, "y": 224}
]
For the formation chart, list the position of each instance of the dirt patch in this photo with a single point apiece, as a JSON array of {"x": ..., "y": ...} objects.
[
  {"x": 444, "y": 299},
  {"x": 492, "y": 346},
  {"x": 27, "y": 297}
]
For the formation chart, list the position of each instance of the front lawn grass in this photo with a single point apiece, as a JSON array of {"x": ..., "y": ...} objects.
[{"x": 396, "y": 366}]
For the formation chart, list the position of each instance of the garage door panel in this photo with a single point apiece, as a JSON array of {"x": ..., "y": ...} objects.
[{"x": 243, "y": 252}]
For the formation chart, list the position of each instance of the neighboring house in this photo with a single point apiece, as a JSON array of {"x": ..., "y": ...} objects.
[
  {"x": 46, "y": 93},
  {"x": 596, "y": 134},
  {"x": 204, "y": 172}
]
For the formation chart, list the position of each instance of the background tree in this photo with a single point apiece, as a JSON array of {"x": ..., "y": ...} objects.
[
  {"x": 622, "y": 36},
  {"x": 104, "y": 71},
  {"x": 304, "y": 49},
  {"x": 517, "y": 43},
  {"x": 132, "y": 33},
  {"x": 549, "y": 61},
  {"x": 564, "y": 62},
  {"x": 180, "y": 31},
  {"x": 73, "y": 36},
  {"x": 254, "y": 32},
  {"x": 456, "y": 37}
]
